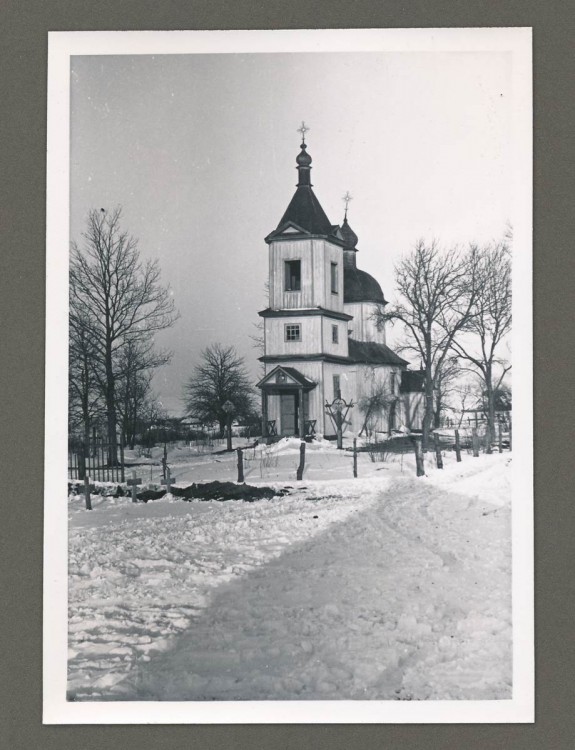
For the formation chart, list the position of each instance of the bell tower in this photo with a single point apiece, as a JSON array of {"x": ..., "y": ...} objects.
[
  {"x": 306, "y": 262},
  {"x": 305, "y": 324}
]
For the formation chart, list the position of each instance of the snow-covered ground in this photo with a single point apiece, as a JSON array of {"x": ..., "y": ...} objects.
[{"x": 382, "y": 587}]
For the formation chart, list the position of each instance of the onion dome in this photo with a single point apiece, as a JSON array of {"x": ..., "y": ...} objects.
[
  {"x": 349, "y": 236},
  {"x": 359, "y": 286},
  {"x": 303, "y": 159}
]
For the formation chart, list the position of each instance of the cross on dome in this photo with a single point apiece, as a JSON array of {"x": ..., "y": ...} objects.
[
  {"x": 346, "y": 199},
  {"x": 303, "y": 130}
]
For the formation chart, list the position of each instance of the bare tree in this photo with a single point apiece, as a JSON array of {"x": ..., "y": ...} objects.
[
  {"x": 374, "y": 405},
  {"x": 445, "y": 385},
  {"x": 221, "y": 376},
  {"x": 136, "y": 363},
  {"x": 258, "y": 338},
  {"x": 489, "y": 324},
  {"x": 438, "y": 291},
  {"x": 121, "y": 298},
  {"x": 84, "y": 396}
]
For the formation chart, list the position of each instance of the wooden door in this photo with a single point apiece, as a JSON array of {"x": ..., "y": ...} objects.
[{"x": 288, "y": 413}]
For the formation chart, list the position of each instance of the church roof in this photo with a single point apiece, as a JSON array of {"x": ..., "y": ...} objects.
[
  {"x": 349, "y": 236},
  {"x": 359, "y": 286},
  {"x": 372, "y": 353},
  {"x": 305, "y": 210},
  {"x": 304, "y": 214},
  {"x": 296, "y": 376}
]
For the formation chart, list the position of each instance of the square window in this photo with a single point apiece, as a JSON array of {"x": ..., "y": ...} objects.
[
  {"x": 292, "y": 275},
  {"x": 334, "y": 278},
  {"x": 335, "y": 334},
  {"x": 293, "y": 332}
]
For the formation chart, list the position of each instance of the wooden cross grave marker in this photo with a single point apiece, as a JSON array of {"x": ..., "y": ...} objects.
[
  {"x": 168, "y": 480},
  {"x": 133, "y": 483}
]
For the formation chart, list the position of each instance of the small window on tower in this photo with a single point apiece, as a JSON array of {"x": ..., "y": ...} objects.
[
  {"x": 336, "y": 387},
  {"x": 335, "y": 334},
  {"x": 293, "y": 275},
  {"x": 334, "y": 278},
  {"x": 293, "y": 332}
]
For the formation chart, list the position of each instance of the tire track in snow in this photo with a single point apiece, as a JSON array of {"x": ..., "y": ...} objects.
[{"x": 409, "y": 599}]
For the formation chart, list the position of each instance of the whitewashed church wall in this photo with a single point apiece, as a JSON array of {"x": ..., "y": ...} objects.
[
  {"x": 279, "y": 252},
  {"x": 274, "y": 409},
  {"x": 413, "y": 409},
  {"x": 348, "y": 387},
  {"x": 313, "y": 371},
  {"x": 316, "y": 257},
  {"x": 363, "y": 326},
  {"x": 340, "y": 349},
  {"x": 369, "y": 379},
  {"x": 310, "y": 332},
  {"x": 333, "y": 254}
]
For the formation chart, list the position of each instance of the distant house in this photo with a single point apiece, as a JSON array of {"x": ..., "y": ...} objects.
[
  {"x": 502, "y": 404},
  {"x": 322, "y": 338}
]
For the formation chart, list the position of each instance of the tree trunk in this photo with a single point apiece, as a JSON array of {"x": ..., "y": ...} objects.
[
  {"x": 111, "y": 408},
  {"x": 437, "y": 411},
  {"x": 428, "y": 415},
  {"x": 490, "y": 400}
]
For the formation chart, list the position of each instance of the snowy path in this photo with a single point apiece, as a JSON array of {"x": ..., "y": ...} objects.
[
  {"x": 408, "y": 599},
  {"x": 139, "y": 573}
]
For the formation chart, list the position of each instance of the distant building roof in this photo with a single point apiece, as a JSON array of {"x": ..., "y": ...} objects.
[
  {"x": 412, "y": 381},
  {"x": 371, "y": 353}
]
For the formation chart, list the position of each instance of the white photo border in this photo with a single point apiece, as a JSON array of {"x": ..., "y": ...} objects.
[{"x": 63, "y": 45}]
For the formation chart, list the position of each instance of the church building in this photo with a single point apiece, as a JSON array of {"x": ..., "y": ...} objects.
[{"x": 322, "y": 335}]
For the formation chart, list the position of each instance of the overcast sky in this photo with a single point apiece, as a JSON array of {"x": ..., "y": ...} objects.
[{"x": 199, "y": 150}]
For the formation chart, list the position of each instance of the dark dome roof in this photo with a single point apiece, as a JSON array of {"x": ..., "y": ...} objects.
[
  {"x": 303, "y": 158},
  {"x": 349, "y": 236},
  {"x": 359, "y": 286}
]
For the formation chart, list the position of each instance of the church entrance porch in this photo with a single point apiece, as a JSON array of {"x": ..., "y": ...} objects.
[
  {"x": 289, "y": 408},
  {"x": 286, "y": 413},
  {"x": 285, "y": 404}
]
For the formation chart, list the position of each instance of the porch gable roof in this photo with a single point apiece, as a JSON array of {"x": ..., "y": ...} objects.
[{"x": 293, "y": 377}]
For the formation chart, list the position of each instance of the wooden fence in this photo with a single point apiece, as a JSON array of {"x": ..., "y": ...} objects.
[{"x": 98, "y": 459}]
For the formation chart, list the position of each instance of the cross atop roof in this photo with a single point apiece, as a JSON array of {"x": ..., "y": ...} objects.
[
  {"x": 303, "y": 130},
  {"x": 346, "y": 199}
]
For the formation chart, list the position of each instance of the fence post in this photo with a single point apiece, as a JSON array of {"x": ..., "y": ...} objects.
[
  {"x": 419, "y": 466},
  {"x": 500, "y": 438},
  {"x": 164, "y": 461},
  {"x": 122, "y": 458},
  {"x": 87, "y": 492},
  {"x": 240, "y": 465},
  {"x": 355, "y": 458},
  {"x": 301, "y": 466},
  {"x": 81, "y": 459},
  {"x": 475, "y": 442},
  {"x": 457, "y": 447},
  {"x": 438, "y": 456}
]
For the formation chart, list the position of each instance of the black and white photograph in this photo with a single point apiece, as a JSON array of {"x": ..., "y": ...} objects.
[{"x": 288, "y": 377}]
